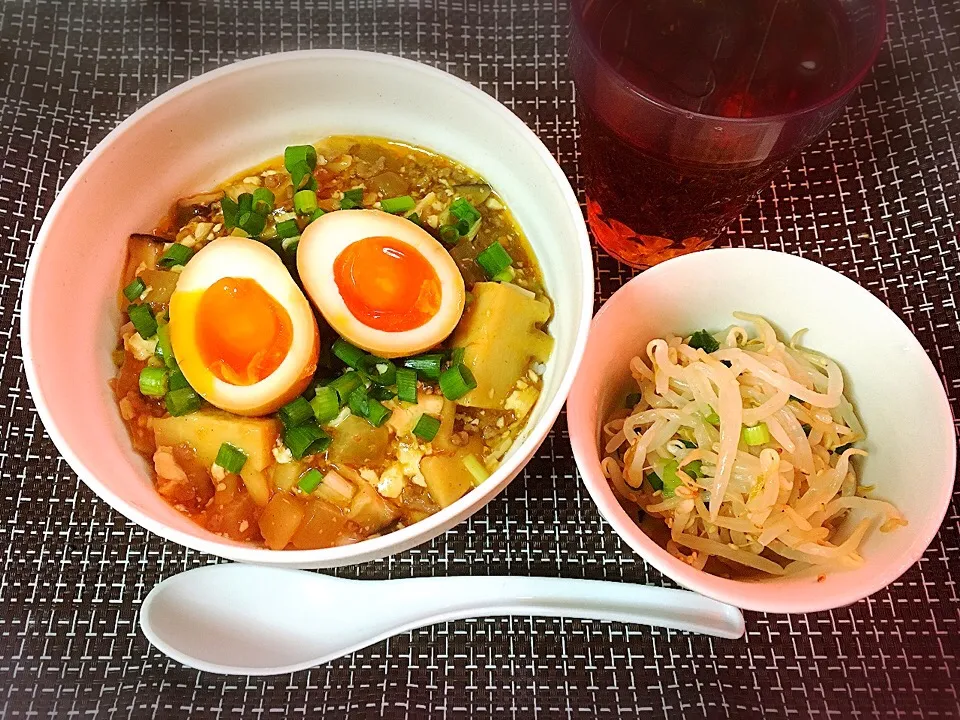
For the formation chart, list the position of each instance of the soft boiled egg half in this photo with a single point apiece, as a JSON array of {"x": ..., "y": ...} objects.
[
  {"x": 243, "y": 334},
  {"x": 381, "y": 281}
]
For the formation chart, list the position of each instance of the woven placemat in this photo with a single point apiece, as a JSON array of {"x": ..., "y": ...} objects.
[{"x": 876, "y": 199}]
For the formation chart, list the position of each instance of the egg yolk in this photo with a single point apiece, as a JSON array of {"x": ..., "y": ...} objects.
[
  {"x": 243, "y": 333},
  {"x": 387, "y": 284}
]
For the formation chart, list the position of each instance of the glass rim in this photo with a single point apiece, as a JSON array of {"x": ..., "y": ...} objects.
[{"x": 839, "y": 94}]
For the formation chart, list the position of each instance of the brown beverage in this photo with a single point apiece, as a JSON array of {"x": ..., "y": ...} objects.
[{"x": 664, "y": 174}]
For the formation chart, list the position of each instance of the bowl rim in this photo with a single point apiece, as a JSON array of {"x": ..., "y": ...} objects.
[
  {"x": 374, "y": 548},
  {"x": 586, "y": 453}
]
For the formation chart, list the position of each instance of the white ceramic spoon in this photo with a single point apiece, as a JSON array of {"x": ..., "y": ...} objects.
[{"x": 248, "y": 620}]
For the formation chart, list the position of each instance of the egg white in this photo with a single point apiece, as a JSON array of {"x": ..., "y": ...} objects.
[{"x": 325, "y": 238}]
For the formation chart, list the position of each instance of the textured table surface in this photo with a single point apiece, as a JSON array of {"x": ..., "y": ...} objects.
[{"x": 876, "y": 199}]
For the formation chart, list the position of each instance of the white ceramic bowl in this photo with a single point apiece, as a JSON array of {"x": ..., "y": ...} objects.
[
  {"x": 210, "y": 128},
  {"x": 895, "y": 389}
]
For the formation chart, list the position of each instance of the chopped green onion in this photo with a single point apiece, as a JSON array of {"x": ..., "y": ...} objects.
[
  {"x": 380, "y": 370},
  {"x": 263, "y": 200},
  {"x": 244, "y": 203},
  {"x": 231, "y": 458},
  {"x": 427, "y": 366},
  {"x": 288, "y": 228},
  {"x": 230, "y": 211},
  {"x": 427, "y": 427},
  {"x": 176, "y": 254},
  {"x": 456, "y": 355},
  {"x": 670, "y": 480},
  {"x": 164, "y": 347},
  {"x": 177, "y": 380},
  {"x": 494, "y": 260},
  {"x": 655, "y": 482},
  {"x": 305, "y": 202},
  {"x": 316, "y": 214},
  {"x": 415, "y": 219},
  {"x": 381, "y": 393},
  {"x": 756, "y": 434},
  {"x": 632, "y": 399},
  {"x": 457, "y": 381},
  {"x": 688, "y": 443},
  {"x": 346, "y": 384},
  {"x": 143, "y": 320},
  {"x": 182, "y": 401},
  {"x": 252, "y": 223},
  {"x": 712, "y": 418},
  {"x": 359, "y": 402},
  {"x": 806, "y": 428},
  {"x": 134, "y": 290},
  {"x": 350, "y": 354},
  {"x": 703, "y": 340},
  {"x": 153, "y": 382},
  {"x": 505, "y": 275},
  {"x": 306, "y": 439},
  {"x": 407, "y": 384},
  {"x": 843, "y": 448},
  {"x": 295, "y": 413},
  {"x": 475, "y": 468},
  {"x": 449, "y": 235},
  {"x": 352, "y": 199},
  {"x": 466, "y": 213},
  {"x": 377, "y": 413},
  {"x": 310, "y": 480},
  {"x": 325, "y": 404},
  {"x": 302, "y": 177},
  {"x": 296, "y": 155},
  {"x": 290, "y": 245},
  {"x": 401, "y": 204},
  {"x": 694, "y": 469}
]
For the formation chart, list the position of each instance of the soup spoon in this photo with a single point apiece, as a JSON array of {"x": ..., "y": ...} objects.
[{"x": 251, "y": 620}]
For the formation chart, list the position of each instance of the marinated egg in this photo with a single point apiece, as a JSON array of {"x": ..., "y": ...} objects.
[
  {"x": 381, "y": 281},
  {"x": 243, "y": 334}
]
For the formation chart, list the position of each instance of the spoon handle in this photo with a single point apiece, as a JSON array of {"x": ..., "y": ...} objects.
[{"x": 441, "y": 599}]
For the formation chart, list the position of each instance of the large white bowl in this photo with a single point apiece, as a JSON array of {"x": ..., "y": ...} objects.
[
  {"x": 894, "y": 386},
  {"x": 210, "y": 128}
]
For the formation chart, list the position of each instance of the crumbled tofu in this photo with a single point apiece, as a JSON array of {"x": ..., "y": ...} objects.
[
  {"x": 202, "y": 230},
  {"x": 166, "y": 465},
  {"x": 274, "y": 172},
  {"x": 188, "y": 240},
  {"x": 281, "y": 453},
  {"x": 522, "y": 400},
  {"x": 244, "y": 525},
  {"x": 140, "y": 268},
  {"x": 409, "y": 456},
  {"x": 370, "y": 476},
  {"x": 391, "y": 481},
  {"x": 433, "y": 221},
  {"x": 218, "y": 227},
  {"x": 494, "y": 204},
  {"x": 138, "y": 347},
  {"x": 252, "y": 180},
  {"x": 126, "y": 409},
  {"x": 217, "y": 472}
]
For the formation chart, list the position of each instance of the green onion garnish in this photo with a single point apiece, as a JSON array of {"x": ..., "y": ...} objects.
[
  {"x": 475, "y": 468},
  {"x": 377, "y": 413},
  {"x": 359, "y": 402},
  {"x": 449, "y": 234},
  {"x": 295, "y": 413},
  {"x": 244, "y": 203},
  {"x": 654, "y": 481},
  {"x": 712, "y": 417},
  {"x": 346, "y": 384},
  {"x": 670, "y": 480},
  {"x": 350, "y": 354},
  {"x": 305, "y": 202},
  {"x": 288, "y": 228},
  {"x": 407, "y": 384},
  {"x": 466, "y": 213},
  {"x": 325, "y": 404},
  {"x": 134, "y": 290},
  {"x": 153, "y": 382},
  {"x": 506, "y": 275},
  {"x": 177, "y": 380},
  {"x": 231, "y": 458},
  {"x": 296, "y": 155},
  {"x": 143, "y": 320},
  {"x": 401, "y": 204},
  {"x": 230, "y": 212},
  {"x": 381, "y": 392},
  {"x": 316, "y": 214},
  {"x": 756, "y": 434},
  {"x": 427, "y": 366},
  {"x": 494, "y": 260},
  {"x": 456, "y": 355},
  {"x": 352, "y": 199},
  {"x": 302, "y": 177},
  {"x": 632, "y": 399},
  {"x": 310, "y": 480},
  {"x": 164, "y": 348},
  {"x": 306, "y": 439},
  {"x": 252, "y": 223},
  {"x": 688, "y": 443},
  {"x": 263, "y": 200},
  {"x": 841, "y": 449},
  {"x": 415, "y": 219},
  {"x": 457, "y": 381},
  {"x": 426, "y": 428},
  {"x": 694, "y": 469},
  {"x": 176, "y": 254},
  {"x": 182, "y": 401},
  {"x": 703, "y": 340},
  {"x": 380, "y": 370},
  {"x": 289, "y": 245}
]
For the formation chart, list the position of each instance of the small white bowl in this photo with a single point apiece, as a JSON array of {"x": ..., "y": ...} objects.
[
  {"x": 895, "y": 389},
  {"x": 218, "y": 124}
]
